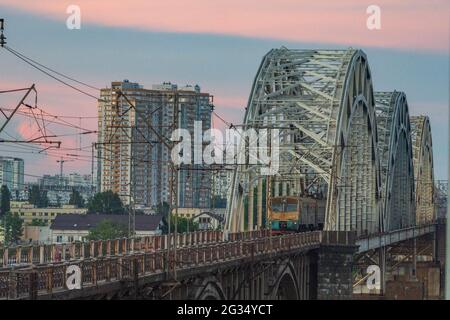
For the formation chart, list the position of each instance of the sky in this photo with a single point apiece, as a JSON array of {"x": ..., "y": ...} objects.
[{"x": 216, "y": 44}]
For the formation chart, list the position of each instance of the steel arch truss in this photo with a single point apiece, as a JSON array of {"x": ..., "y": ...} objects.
[
  {"x": 423, "y": 168},
  {"x": 322, "y": 103},
  {"x": 396, "y": 162}
]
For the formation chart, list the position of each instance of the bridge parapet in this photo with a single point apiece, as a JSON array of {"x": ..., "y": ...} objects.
[
  {"x": 53, "y": 253},
  {"x": 50, "y": 279}
]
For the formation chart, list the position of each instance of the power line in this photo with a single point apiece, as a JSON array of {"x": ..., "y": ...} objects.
[
  {"x": 50, "y": 75},
  {"x": 57, "y": 116},
  {"x": 13, "y": 90},
  {"x": 54, "y": 71}
]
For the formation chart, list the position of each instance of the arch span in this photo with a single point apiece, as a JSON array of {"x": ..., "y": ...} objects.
[
  {"x": 396, "y": 160},
  {"x": 423, "y": 168},
  {"x": 322, "y": 103},
  {"x": 209, "y": 289},
  {"x": 286, "y": 285}
]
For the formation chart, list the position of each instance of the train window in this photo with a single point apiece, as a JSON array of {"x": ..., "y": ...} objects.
[
  {"x": 291, "y": 207},
  {"x": 277, "y": 207}
]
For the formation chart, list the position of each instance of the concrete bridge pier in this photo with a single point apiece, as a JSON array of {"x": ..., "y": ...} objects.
[{"x": 334, "y": 272}]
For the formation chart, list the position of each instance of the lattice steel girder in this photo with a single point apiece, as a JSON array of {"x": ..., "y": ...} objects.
[
  {"x": 322, "y": 103},
  {"x": 396, "y": 164},
  {"x": 423, "y": 168}
]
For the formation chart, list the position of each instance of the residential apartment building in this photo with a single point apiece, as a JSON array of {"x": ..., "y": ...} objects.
[
  {"x": 221, "y": 182},
  {"x": 60, "y": 188},
  {"x": 12, "y": 173},
  {"x": 132, "y": 160}
]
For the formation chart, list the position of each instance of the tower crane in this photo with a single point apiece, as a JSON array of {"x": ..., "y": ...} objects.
[{"x": 61, "y": 165}]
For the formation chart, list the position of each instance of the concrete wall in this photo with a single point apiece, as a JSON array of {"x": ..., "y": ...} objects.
[{"x": 40, "y": 234}]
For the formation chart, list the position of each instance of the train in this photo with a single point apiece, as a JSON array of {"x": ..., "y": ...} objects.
[{"x": 291, "y": 214}]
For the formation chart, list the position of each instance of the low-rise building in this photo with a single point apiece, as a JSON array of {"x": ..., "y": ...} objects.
[
  {"x": 36, "y": 234},
  {"x": 75, "y": 227},
  {"x": 207, "y": 219},
  {"x": 28, "y": 212}
]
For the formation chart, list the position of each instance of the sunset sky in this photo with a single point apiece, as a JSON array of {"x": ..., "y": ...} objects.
[{"x": 218, "y": 45}]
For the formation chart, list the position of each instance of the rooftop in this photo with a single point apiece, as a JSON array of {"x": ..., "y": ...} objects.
[{"x": 88, "y": 221}]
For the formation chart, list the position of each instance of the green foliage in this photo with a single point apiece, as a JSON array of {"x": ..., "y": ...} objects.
[
  {"x": 163, "y": 209},
  {"x": 12, "y": 227},
  {"x": 5, "y": 200},
  {"x": 108, "y": 230},
  {"x": 38, "y": 197},
  {"x": 183, "y": 224},
  {"x": 76, "y": 199},
  {"x": 106, "y": 202},
  {"x": 38, "y": 223}
]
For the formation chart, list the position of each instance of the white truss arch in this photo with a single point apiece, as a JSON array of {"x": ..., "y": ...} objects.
[
  {"x": 396, "y": 164},
  {"x": 423, "y": 168},
  {"x": 322, "y": 102}
]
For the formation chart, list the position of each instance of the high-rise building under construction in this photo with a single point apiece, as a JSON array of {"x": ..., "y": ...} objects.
[{"x": 132, "y": 159}]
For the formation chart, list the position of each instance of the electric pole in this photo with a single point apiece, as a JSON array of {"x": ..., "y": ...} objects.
[
  {"x": 2, "y": 36},
  {"x": 447, "y": 245}
]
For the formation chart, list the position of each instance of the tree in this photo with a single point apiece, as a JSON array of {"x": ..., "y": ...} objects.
[
  {"x": 5, "y": 206},
  {"x": 38, "y": 197},
  {"x": 108, "y": 229},
  {"x": 58, "y": 201},
  {"x": 183, "y": 224},
  {"x": 13, "y": 227},
  {"x": 163, "y": 209},
  {"x": 76, "y": 199},
  {"x": 38, "y": 223},
  {"x": 106, "y": 202}
]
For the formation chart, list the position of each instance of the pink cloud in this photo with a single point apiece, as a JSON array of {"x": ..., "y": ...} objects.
[
  {"x": 233, "y": 102},
  {"x": 27, "y": 129},
  {"x": 54, "y": 99},
  {"x": 405, "y": 24}
]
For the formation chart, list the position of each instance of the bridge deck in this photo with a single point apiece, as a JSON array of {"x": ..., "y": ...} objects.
[
  {"x": 381, "y": 240},
  {"x": 106, "y": 265}
]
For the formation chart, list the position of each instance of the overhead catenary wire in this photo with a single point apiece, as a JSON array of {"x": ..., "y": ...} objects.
[
  {"x": 52, "y": 70},
  {"x": 58, "y": 119},
  {"x": 50, "y": 75}
]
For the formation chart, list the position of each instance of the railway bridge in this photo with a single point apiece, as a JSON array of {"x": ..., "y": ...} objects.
[
  {"x": 203, "y": 265},
  {"x": 359, "y": 148}
]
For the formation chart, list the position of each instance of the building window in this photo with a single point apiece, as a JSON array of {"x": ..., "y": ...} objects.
[
  {"x": 58, "y": 238},
  {"x": 70, "y": 239}
]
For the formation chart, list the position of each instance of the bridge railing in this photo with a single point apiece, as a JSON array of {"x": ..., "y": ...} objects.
[
  {"x": 249, "y": 235},
  {"x": 52, "y": 253},
  {"x": 46, "y": 279}
]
